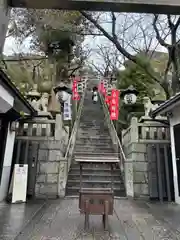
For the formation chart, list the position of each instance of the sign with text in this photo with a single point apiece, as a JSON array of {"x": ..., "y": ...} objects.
[
  {"x": 114, "y": 105},
  {"x": 67, "y": 109},
  {"x": 19, "y": 190}
]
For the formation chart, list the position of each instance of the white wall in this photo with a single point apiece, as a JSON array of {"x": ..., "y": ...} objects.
[
  {"x": 7, "y": 163},
  {"x": 6, "y": 100},
  {"x": 175, "y": 119}
]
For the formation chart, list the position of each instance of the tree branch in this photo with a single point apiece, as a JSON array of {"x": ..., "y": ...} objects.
[
  {"x": 120, "y": 48},
  {"x": 158, "y": 37},
  {"x": 114, "y": 25}
]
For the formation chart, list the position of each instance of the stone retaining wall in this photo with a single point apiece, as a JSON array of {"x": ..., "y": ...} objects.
[
  {"x": 50, "y": 158},
  {"x": 136, "y": 171},
  {"x": 135, "y": 142}
]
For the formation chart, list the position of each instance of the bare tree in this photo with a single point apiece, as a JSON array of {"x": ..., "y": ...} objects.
[
  {"x": 142, "y": 36},
  {"x": 172, "y": 46},
  {"x": 108, "y": 59}
]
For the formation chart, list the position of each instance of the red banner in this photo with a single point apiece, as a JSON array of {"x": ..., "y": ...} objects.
[
  {"x": 114, "y": 105},
  {"x": 75, "y": 95},
  {"x": 108, "y": 99},
  {"x": 101, "y": 88}
]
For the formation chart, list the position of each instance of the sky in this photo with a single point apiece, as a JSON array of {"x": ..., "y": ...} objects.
[
  {"x": 92, "y": 43},
  {"x": 10, "y": 46}
]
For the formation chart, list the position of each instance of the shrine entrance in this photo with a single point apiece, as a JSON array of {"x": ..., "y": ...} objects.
[
  {"x": 141, "y": 6},
  {"x": 137, "y": 6}
]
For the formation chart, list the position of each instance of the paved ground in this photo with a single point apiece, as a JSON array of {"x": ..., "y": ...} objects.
[
  {"x": 14, "y": 217},
  {"x": 132, "y": 220}
]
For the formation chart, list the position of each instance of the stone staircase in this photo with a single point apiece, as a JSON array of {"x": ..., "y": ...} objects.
[{"x": 94, "y": 142}]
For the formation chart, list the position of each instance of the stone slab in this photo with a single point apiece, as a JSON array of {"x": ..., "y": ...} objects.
[
  {"x": 15, "y": 217},
  {"x": 49, "y": 167},
  {"x": 132, "y": 220}
]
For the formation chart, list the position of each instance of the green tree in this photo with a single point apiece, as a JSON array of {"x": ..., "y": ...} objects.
[
  {"x": 56, "y": 34},
  {"x": 134, "y": 75},
  {"x": 27, "y": 70}
]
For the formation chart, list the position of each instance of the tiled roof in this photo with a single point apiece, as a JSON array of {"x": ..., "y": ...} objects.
[{"x": 166, "y": 104}]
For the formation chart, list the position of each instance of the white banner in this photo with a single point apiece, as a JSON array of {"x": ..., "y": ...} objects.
[{"x": 67, "y": 109}]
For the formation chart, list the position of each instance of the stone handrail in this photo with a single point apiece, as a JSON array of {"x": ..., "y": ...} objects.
[
  {"x": 145, "y": 132},
  {"x": 35, "y": 129},
  {"x": 72, "y": 139},
  {"x": 66, "y": 161},
  {"x": 113, "y": 133}
]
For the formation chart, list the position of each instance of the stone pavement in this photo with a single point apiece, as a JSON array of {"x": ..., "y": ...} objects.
[
  {"x": 132, "y": 220},
  {"x": 14, "y": 217}
]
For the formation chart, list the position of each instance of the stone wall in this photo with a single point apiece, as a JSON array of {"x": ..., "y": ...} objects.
[
  {"x": 50, "y": 158},
  {"x": 135, "y": 140},
  {"x": 136, "y": 170}
]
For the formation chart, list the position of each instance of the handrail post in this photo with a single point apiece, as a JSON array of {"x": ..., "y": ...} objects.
[
  {"x": 58, "y": 127},
  {"x": 134, "y": 134}
]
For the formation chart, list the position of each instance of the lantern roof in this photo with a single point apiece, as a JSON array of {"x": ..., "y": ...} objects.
[{"x": 130, "y": 90}]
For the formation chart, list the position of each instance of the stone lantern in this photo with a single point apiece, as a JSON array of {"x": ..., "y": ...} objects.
[{"x": 130, "y": 95}]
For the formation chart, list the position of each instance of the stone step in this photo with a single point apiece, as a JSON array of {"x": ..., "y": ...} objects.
[
  {"x": 95, "y": 184},
  {"x": 100, "y": 169},
  {"x": 88, "y": 177},
  {"x": 93, "y": 133},
  {"x": 91, "y": 128},
  {"x": 98, "y": 144},
  {"x": 96, "y": 140},
  {"x": 74, "y": 191},
  {"x": 93, "y": 148},
  {"x": 82, "y": 154},
  {"x": 89, "y": 122},
  {"x": 95, "y": 122},
  {"x": 95, "y": 162}
]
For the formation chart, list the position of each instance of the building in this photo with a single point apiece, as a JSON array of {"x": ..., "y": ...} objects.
[
  {"x": 171, "y": 108},
  {"x": 12, "y": 105}
]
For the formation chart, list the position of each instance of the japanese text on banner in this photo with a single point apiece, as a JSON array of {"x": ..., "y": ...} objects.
[
  {"x": 114, "y": 105},
  {"x": 75, "y": 91}
]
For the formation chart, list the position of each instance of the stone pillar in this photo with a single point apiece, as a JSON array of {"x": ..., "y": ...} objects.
[
  {"x": 129, "y": 180},
  {"x": 130, "y": 157},
  {"x": 134, "y": 130},
  {"x": 58, "y": 127},
  {"x": 136, "y": 164},
  {"x": 4, "y": 19}
]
